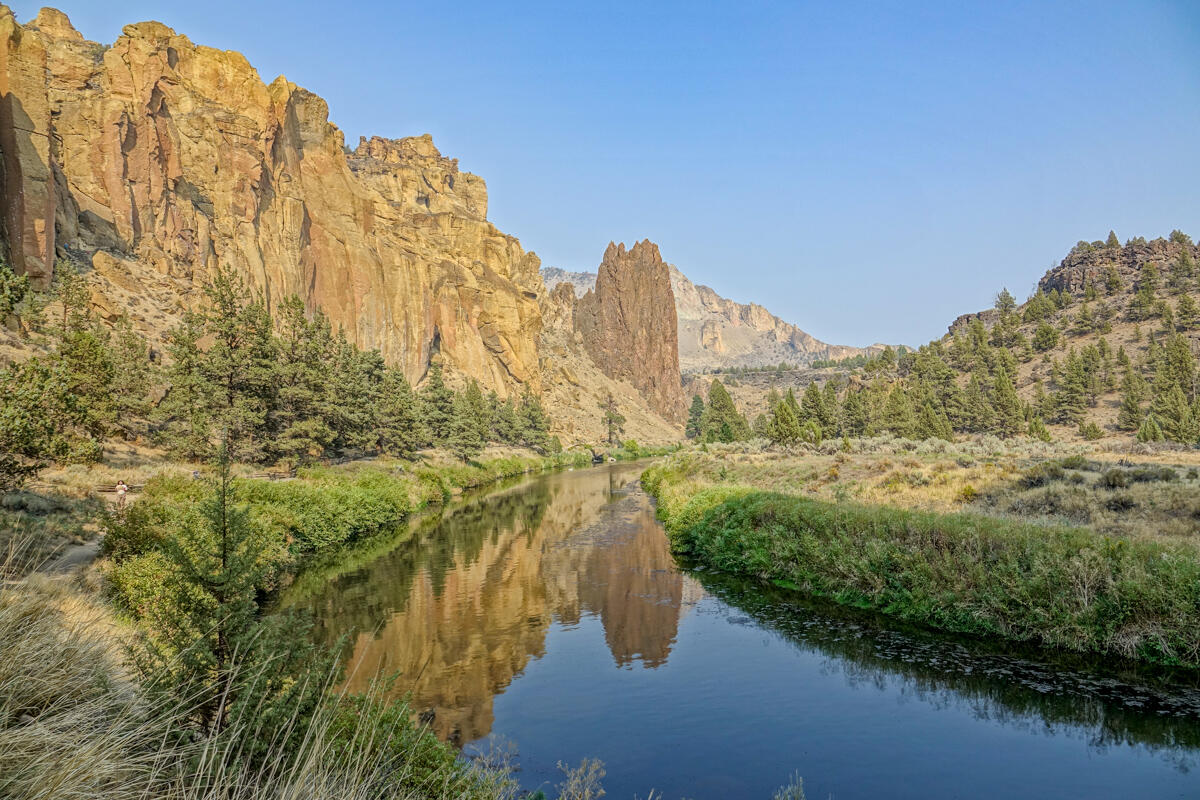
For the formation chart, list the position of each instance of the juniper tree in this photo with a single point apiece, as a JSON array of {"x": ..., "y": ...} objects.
[
  {"x": 1038, "y": 430},
  {"x": 1130, "y": 415},
  {"x": 534, "y": 425},
  {"x": 613, "y": 420},
  {"x": 784, "y": 426},
  {"x": 898, "y": 416},
  {"x": 932, "y": 423},
  {"x": 299, "y": 419},
  {"x": 467, "y": 423},
  {"x": 1149, "y": 430},
  {"x": 1187, "y": 314},
  {"x": 695, "y": 414},
  {"x": 721, "y": 421},
  {"x": 437, "y": 405},
  {"x": 239, "y": 364},
  {"x": 1176, "y": 417},
  {"x": 1009, "y": 417},
  {"x": 1112, "y": 280},
  {"x": 400, "y": 426},
  {"x": 1045, "y": 337},
  {"x": 207, "y": 646},
  {"x": 1113, "y": 242},
  {"x": 185, "y": 413}
]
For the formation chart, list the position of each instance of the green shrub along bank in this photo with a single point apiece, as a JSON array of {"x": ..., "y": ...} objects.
[
  {"x": 1063, "y": 587},
  {"x": 322, "y": 511}
]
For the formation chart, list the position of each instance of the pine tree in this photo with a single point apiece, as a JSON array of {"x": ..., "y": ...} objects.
[
  {"x": 898, "y": 416},
  {"x": 613, "y": 420},
  {"x": 784, "y": 427},
  {"x": 695, "y": 413},
  {"x": 721, "y": 421},
  {"x": 299, "y": 418},
  {"x": 1009, "y": 418},
  {"x": 932, "y": 423},
  {"x": 1187, "y": 314},
  {"x": 466, "y": 424},
  {"x": 1149, "y": 430},
  {"x": 1112, "y": 280},
  {"x": 812, "y": 405},
  {"x": 1005, "y": 303},
  {"x": 831, "y": 421},
  {"x": 1130, "y": 415},
  {"x": 534, "y": 426},
  {"x": 978, "y": 413},
  {"x": 401, "y": 429},
  {"x": 1174, "y": 415},
  {"x": 1090, "y": 431},
  {"x": 1070, "y": 395},
  {"x": 29, "y": 437},
  {"x": 1045, "y": 337},
  {"x": 239, "y": 365},
  {"x": 132, "y": 377},
  {"x": 1038, "y": 430},
  {"x": 1113, "y": 242},
  {"x": 354, "y": 381},
  {"x": 208, "y": 648},
  {"x": 506, "y": 427},
  {"x": 185, "y": 415},
  {"x": 854, "y": 414},
  {"x": 437, "y": 405}
]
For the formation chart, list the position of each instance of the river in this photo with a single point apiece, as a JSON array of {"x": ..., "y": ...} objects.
[{"x": 550, "y": 618}]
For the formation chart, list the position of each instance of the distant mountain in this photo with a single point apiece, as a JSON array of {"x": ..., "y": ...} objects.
[{"x": 716, "y": 332}]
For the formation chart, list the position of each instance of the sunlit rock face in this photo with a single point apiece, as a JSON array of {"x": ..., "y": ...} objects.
[
  {"x": 629, "y": 327},
  {"x": 173, "y": 160}
]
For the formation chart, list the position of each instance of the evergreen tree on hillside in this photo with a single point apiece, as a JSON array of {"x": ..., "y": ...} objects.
[
  {"x": 239, "y": 365},
  {"x": 1130, "y": 415},
  {"x": 1070, "y": 395},
  {"x": 133, "y": 376},
  {"x": 784, "y": 426},
  {"x": 1187, "y": 314},
  {"x": 185, "y": 415},
  {"x": 39, "y": 421},
  {"x": 467, "y": 423},
  {"x": 832, "y": 420},
  {"x": 932, "y": 423},
  {"x": 854, "y": 414},
  {"x": 812, "y": 405},
  {"x": 437, "y": 405},
  {"x": 1175, "y": 416},
  {"x": 613, "y": 420},
  {"x": 1113, "y": 242},
  {"x": 1009, "y": 417},
  {"x": 695, "y": 414},
  {"x": 978, "y": 413},
  {"x": 721, "y": 421},
  {"x": 401, "y": 428},
  {"x": 1112, "y": 280},
  {"x": 1005, "y": 303},
  {"x": 898, "y": 416},
  {"x": 1038, "y": 430},
  {"x": 299, "y": 418},
  {"x": 1149, "y": 430},
  {"x": 506, "y": 427},
  {"x": 534, "y": 426},
  {"x": 1045, "y": 337}
]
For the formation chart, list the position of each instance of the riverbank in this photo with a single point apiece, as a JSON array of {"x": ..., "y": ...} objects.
[
  {"x": 93, "y": 723},
  {"x": 973, "y": 566}
]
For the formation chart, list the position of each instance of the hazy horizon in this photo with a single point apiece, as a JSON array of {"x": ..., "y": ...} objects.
[{"x": 843, "y": 168}]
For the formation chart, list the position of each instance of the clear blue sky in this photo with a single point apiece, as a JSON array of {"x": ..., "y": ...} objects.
[{"x": 865, "y": 170}]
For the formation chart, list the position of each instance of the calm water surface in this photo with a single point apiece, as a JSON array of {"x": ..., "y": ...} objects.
[{"x": 552, "y": 618}]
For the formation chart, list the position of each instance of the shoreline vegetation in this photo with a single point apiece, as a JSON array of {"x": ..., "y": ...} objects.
[
  {"x": 958, "y": 546},
  {"x": 172, "y": 677}
]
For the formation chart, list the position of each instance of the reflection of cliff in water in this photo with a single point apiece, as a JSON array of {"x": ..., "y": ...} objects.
[
  {"x": 1066, "y": 695},
  {"x": 457, "y": 611}
]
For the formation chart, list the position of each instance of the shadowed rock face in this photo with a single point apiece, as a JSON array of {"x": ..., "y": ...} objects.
[
  {"x": 629, "y": 326},
  {"x": 168, "y": 160}
]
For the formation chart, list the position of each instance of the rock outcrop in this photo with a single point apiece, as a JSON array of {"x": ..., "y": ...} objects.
[
  {"x": 714, "y": 332},
  {"x": 629, "y": 327},
  {"x": 1090, "y": 263},
  {"x": 168, "y": 161}
]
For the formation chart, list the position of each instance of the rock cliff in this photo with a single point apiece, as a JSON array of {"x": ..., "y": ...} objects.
[
  {"x": 716, "y": 332},
  {"x": 155, "y": 162},
  {"x": 629, "y": 327}
]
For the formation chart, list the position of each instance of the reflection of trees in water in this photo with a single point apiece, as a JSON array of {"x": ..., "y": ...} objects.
[
  {"x": 1065, "y": 695},
  {"x": 458, "y": 610}
]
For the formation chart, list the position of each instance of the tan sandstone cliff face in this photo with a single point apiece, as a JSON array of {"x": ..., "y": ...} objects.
[
  {"x": 629, "y": 326},
  {"x": 159, "y": 161}
]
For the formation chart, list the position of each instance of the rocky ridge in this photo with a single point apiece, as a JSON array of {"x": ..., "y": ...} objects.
[
  {"x": 155, "y": 162},
  {"x": 628, "y": 325},
  {"x": 715, "y": 332}
]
